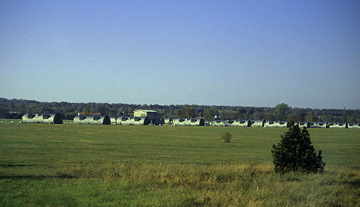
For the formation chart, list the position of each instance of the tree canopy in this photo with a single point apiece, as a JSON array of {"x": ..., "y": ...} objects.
[{"x": 15, "y": 108}]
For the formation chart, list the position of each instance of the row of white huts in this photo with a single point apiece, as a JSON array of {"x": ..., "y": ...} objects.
[
  {"x": 86, "y": 119},
  {"x": 264, "y": 123},
  {"x": 188, "y": 122},
  {"x": 106, "y": 120},
  {"x": 57, "y": 119},
  {"x": 122, "y": 120},
  {"x": 248, "y": 123}
]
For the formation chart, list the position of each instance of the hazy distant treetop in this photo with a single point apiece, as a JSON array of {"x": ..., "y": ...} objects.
[{"x": 281, "y": 112}]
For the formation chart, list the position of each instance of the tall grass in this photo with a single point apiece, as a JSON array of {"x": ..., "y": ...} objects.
[{"x": 174, "y": 184}]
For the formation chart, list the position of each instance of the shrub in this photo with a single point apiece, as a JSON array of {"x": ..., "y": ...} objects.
[
  {"x": 296, "y": 153},
  {"x": 226, "y": 137}
]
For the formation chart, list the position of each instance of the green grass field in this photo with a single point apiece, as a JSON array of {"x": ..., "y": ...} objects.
[{"x": 82, "y": 165}]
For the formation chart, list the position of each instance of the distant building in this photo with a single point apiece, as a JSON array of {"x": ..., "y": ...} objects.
[
  {"x": 145, "y": 113},
  {"x": 151, "y": 114}
]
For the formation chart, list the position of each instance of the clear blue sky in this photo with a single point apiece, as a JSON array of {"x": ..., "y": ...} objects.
[{"x": 237, "y": 53}]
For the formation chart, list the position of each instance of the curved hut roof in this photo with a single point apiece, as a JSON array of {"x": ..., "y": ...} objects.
[
  {"x": 318, "y": 125},
  {"x": 179, "y": 122},
  {"x": 238, "y": 123},
  {"x": 42, "y": 118},
  {"x": 196, "y": 122},
  {"x": 123, "y": 120},
  {"x": 276, "y": 124},
  {"x": 353, "y": 126},
  {"x": 90, "y": 119},
  {"x": 219, "y": 123},
  {"x": 257, "y": 123},
  {"x": 303, "y": 124},
  {"x": 140, "y": 121},
  {"x": 168, "y": 121},
  {"x": 337, "y": 125}
]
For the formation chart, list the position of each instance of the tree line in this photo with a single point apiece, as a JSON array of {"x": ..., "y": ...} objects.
[{"x": 15, "y": 108}]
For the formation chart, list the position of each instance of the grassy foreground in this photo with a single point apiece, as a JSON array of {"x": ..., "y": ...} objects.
[{"x": 71, "y": 165}]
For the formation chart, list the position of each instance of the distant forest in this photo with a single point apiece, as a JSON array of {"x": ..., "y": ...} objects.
[{"x": 15, "y": 108}]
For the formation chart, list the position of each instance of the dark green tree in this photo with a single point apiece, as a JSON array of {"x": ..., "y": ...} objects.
[
  {"x": 227, "y": 114},
  {"x": 296, "y": 153},
  {"x": 209, "y": 114},
  {"x": 310, "y": 117},
  {"x": 101, "y": 108},
  {"x": 188, "y": 112},
  {"x": 269, "y": 116},
  {"x": 258, "y": 115},
  {"x": 281, "y": 112},
  {"x": 295, "y": 115}
]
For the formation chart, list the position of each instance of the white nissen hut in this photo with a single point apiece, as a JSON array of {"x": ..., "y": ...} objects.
[
  {"x": 238, "y": 123},
  {"x": 113, "y": 120},
  {"x": 218, "y": 123},
  {"x": 179, "y": 122},
  {"x": 318, "y": 125},
  {"x": 123, "y": 120},
  {"x": 230, "y": 123},
  {"x": 283, "y": 124},
  {"x": 42, "y": 118},
  {"x": 276, "y": 124},
  {"x": 140, "y": 121},
  {"x": 95, "y": 120},
  {"x": 269, "y": 124},
  {"x": 354, "y": 126},
  {"x": 168, "y": 121},
  {"x": 29, "y": 118},
  {"x": 337, "y": 125},
  {"x": 196, "y": 122},
  {"x": 303, "y": 124},
  {"x": 50, "y": 119},
  {"x": 257, "y": 123}
]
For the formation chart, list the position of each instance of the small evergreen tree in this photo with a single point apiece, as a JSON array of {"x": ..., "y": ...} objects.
[{"x": 295, "y": 152}]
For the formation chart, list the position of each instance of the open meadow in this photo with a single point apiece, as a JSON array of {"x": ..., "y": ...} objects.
[{"x": 98, "y": 165}]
